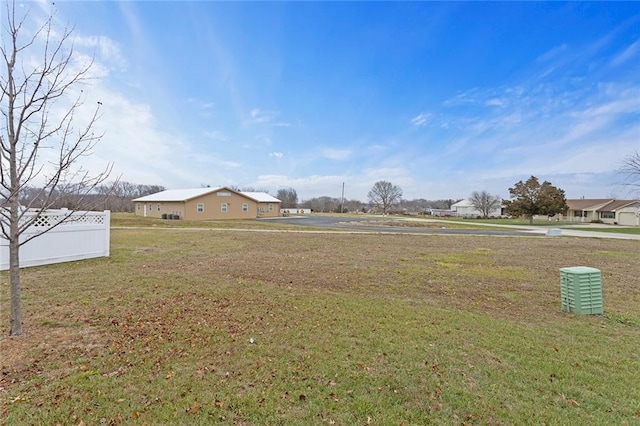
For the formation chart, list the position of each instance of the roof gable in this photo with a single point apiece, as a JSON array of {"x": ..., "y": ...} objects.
[
  {"x": 180, "y": 194},
  {"x": 598, "y": 204},
  {"x": 588, "y": 204},
  {"x": 189, "y": 194},
  {"x": 462, "y": 203},
  {"x": 261, "y": 197},
  {"x": 618, "y": 204}
]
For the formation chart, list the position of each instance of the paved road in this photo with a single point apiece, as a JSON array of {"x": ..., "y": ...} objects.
[
  {"x": 352, "y": 223},
  {"x": 359, "y": 224}
]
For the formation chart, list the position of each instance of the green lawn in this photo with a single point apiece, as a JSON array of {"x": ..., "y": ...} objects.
[
  {"x": 516, "y": 222},
  {"x": 612, "y": 229},
  {"x": 293, "y": 328}
]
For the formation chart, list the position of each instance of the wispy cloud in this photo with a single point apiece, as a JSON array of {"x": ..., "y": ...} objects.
[
  {"x": 215, "y": 135},
  {"x": 276, "y": 154},
  {"x": 496, "y": 102},
  {"x": 262, "y": 116},
  {"x": 268, "y": 117},
  {"x": 107, "y": 50},
  {"x": 420, "y": 119},
  {"x": 385, "y": 173},
  {"x": 553, "y": 53},
  {"x": 627, "y": 54},
  {"x": 336, "y": 154}
]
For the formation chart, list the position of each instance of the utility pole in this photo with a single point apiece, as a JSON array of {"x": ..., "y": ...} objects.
[{"x": 342, "y": 202}]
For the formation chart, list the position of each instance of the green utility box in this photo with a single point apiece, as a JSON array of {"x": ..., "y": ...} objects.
[{"x": 581, "y": 290}]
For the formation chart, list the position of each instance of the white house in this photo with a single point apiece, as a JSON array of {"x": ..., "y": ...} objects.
[
  {"x": 620, "y": 212},
  {"x": 465, "y": 208}
]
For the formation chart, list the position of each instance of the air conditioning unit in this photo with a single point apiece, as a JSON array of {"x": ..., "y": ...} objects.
[{"x": 581, "y": 290}]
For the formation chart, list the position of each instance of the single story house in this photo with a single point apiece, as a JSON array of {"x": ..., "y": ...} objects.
[
  {"x": 465, "y": 208},
  {"x": 207, "y": 204},
  {"x": 615, "y": 212}
]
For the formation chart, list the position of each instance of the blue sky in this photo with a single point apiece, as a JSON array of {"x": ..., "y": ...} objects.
[{"x": 439, "y": 98}]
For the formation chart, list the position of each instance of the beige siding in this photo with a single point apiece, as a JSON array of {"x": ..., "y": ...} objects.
[
  {"x": 629, "y": 216},
  {"x": 157, "y": 209},
  {"x": 268, "y": 209},
  {"x": 222, "y": 204}
]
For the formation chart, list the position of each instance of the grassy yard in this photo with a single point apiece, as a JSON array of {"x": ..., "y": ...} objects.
[
  {"x": 505, "y": 221},
  {"x": 612, "y": 229},
  {"x": 206, "y": 326},
  {"x": 127, "y": 220}
]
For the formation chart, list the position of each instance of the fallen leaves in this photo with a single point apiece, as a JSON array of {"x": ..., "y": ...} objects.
[{"x": 193, "y": 408}]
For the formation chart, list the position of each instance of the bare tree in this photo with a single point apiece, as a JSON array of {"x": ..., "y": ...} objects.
[
  {"x": 484, "y": 202},
  {"x": 40, "y": 145},
  {"x": 631, "y": 170},
  {"x": 385, "y": 194},
  {"x": 322, "y": 204},
  {"x": 289, "y": 198}
]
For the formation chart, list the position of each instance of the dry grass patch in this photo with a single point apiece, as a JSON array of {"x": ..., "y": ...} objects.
[{"x": 199, "y": 327}]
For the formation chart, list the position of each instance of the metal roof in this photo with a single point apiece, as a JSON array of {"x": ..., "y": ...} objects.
[
  {"x": 261, "y": 197},
  {"x": 462, "y": 203},
  {"x": 178, "y": 194},
  {"x": 188, "y": 194}
]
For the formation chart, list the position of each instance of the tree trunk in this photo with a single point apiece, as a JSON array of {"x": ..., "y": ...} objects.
[
  {"x": 14, "y": 278},
  {"x": 14, "y": 261},
  {"x": 531, "y": 220}
]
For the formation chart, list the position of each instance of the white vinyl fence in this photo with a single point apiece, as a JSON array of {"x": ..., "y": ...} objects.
[{"x": 83, "y": 235}]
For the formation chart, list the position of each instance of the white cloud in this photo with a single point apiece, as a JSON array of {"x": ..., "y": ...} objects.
[
  {"x": 306, "y": 186},
  {"x": 260, "y": 116},
  {"x": 496, "y": 102},
  {"x": 420, "y": 119},
  {"x": 553, "y": 53},
  {"x": 336, "y": 154},
  {"x": 385, "y": 173},
  {"x": 276, "y": 154},
  {"x": 107, "y": 50},
  {"x": 627, "y": 54},
  {"x": 462, "y": 98},
  {"x": 215, "y": 135}
]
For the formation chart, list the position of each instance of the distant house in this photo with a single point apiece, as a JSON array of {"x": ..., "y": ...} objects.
[
  {"x": 207, "y": 204},
  {"x": 465, "y": 208},
  {"x": 620, "y": 212}
]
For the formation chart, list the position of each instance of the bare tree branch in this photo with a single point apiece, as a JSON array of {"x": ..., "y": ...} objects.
[
  {"x": 40, "y": 145},
  {"x": 630, "y": 170},
  {"x": 385, "y": 194}
]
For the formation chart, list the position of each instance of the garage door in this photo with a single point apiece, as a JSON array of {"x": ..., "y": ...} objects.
[{"x": 627, "y": 218}]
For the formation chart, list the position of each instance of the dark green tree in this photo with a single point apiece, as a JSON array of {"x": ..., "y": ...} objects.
[{"x": 531, "y": 198}]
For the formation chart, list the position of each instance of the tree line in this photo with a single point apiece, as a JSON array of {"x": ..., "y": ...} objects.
[{"x": 116, "y": 196}]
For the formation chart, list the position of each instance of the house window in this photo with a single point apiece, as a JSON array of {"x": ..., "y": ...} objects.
[
  {"x": 245, "y": 207},
  {"x": 608, "y": 215},
  {"x": 223, "y": 207},
  {"x": 270, "y": 207},
  {"x": 158, "y": 206},
  {"x": 579, "y": 213},
  {"x": 200, "y": 207}
]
